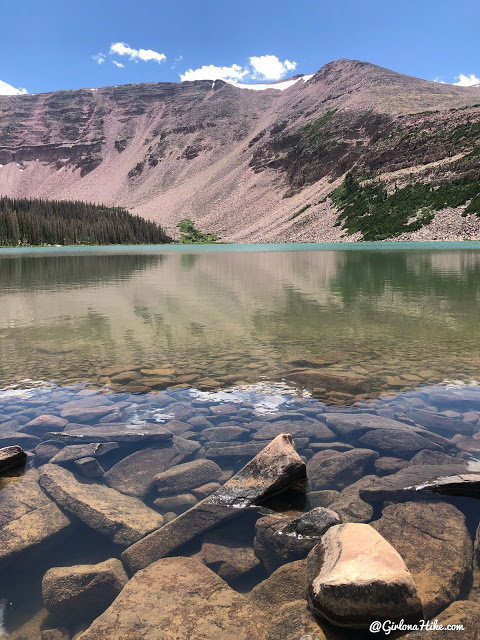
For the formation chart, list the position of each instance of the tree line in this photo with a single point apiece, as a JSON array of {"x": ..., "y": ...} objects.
[{"x": 40, "y": 222}]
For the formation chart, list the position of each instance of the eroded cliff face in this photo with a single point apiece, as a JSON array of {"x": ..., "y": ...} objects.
[{"x": 248, "y": 165}]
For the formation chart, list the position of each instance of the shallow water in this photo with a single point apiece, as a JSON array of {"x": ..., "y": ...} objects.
[{"x": 201, "y": 338}]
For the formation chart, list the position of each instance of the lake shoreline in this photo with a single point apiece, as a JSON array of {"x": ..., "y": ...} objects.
[{"x": 382, "y": 245}]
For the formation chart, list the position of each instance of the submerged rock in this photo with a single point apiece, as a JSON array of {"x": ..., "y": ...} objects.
[
  {"x": 115, "y": 432},
  {"x": 323, "y": 498},
  {"x": 280, "y": 539},
  {"x": 436, "y": 546},
  {"x": 15, "y": 438},
  {"x": 178, "y": 599},
  {"x": 224, "y": 434},
  {"x": 40, "y": 425},
  {"x": 76, "y": 451},
  {"x": 339, "y": 470},
  {"x": 177, "y": 503},
  {"x": 354, "y": 425},
  {"x": 417, "y": 480},
  {"x": 84, "y": 413},
  {"x": 285, "y": 584},
  {"x": 332, "y": 380},
  {"x": 388, "y": 465},
  {"x": 187, "y": 476},
  {"x": 121, "y": 518},
  {"x": 350, "y": 506},
  {"x": 229, "y": 556},
  {"x": 441, "y": 423},
  {"x": 32, "y": 532},
  {"x": 354, "y": 577},
  {"x": 82, "y": 592},
  {"x": 433, "y": 457},
  {"x": 462, "y": 612},
  {"x": 307, "y": 428},
  {"x": 11, "y": 457},
  {"x": 46, "y": 450},
  {"x": 134, "y": 474},
  {"x": 22, "y": 497},
  {"x": 295, "y": 621},
  {"x": 89, "y": 467},
  {"x": 274, "y": 469},
  {"x": 399, "y": 442}
]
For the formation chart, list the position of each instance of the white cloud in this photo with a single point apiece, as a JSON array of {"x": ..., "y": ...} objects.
[
  {"x": 211, "y": 72},
  {"x": 466, "y": 81},
  {"x": 123, "y": 49},
  {"x": 439, "y": 81},
  {"x": 261, "y": 67},
  {"x": 7, "y": 90},
  {"x": 99, "y": 58},
  {"x": 118, "y": 64},
  {"x": 270, "y": 67}
]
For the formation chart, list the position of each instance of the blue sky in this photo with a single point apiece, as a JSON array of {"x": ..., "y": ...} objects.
[{"x": 57, "y": 44}]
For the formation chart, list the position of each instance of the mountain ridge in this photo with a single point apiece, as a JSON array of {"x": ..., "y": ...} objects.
[{"x": 242, "y": 163}]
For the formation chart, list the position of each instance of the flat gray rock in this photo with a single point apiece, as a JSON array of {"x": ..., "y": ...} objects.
[
  {"x": 442, "y": 424},
  {"x": 387, "y": 465},
  {"x": 215, "y": 450},
  {"x": 187, "y": 476},
  {"x": 135, "y": 473},
  {"x": 86, "y": 414},
  {"x": 225, "y": 434},
  {"x": 338, "y": 471},
  {"x": 310, "y": 429},
  {"x": 402, "y": 443},
  {"x": 121, "y": 518},
  {"x": 24, "y": 440},
  {"x": 42, "y": 424},
  {"x": 76, "y": 451},
  {"x": 274, "y": 469},
  {"x": 115, "y": 432},
  {"x": 411, "y": 482}
]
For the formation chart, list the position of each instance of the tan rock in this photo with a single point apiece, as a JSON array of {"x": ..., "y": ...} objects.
[
  {"x": 178, "y": 599},
  {"x": 295, "y": 621},
  {"x": 121, "y": 518},
  {"x": 227, "y": 554},
  {"x": 32, "y": 531},
  {"x": 434, "y": 542},
  {"x": 285, "y": 584},
  {"x": 355, "y": 577},
  {"x": 82, "y": 592},
  {"x": 461, "y": 612}
]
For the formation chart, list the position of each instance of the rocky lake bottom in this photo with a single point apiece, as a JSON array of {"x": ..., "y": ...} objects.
[
  {"x": 105, "y": 470},
  {"x": 218, "y": 445}
]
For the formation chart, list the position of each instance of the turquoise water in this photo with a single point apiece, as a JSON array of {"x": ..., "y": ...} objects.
[{"x": 286, "y": 246}]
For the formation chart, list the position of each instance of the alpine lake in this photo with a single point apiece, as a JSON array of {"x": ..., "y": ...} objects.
[{"x": 367, "y": 354}]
